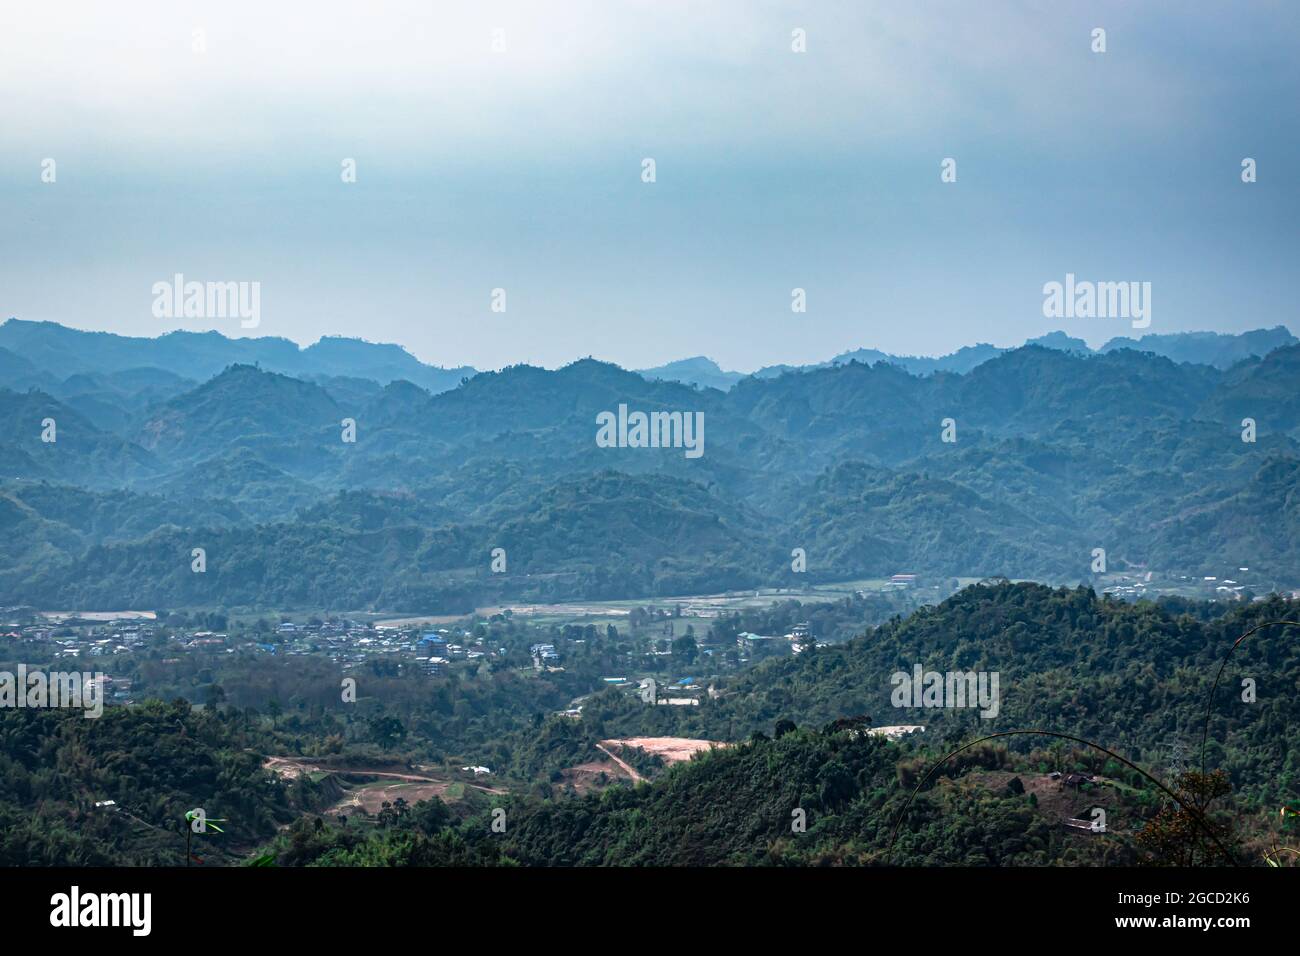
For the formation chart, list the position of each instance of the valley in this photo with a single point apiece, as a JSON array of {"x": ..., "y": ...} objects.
[{"x": 380, "y": 615}]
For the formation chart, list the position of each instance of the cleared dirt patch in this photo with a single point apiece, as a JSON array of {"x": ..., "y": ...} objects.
[
  {"x": 292, "y": 767},
  {"x": 1056, "y": 801},
  {"x": 370, "y": 789},
  {"x": 372, "y": 799},
  {"x": 670, "y": 749},
  {"x": 595, "y": 775}
]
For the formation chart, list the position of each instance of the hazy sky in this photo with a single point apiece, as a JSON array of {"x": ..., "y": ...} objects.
[{"x": 521, "y": 169}]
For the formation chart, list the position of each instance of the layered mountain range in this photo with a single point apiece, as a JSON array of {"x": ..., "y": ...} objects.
[{"x": 1019, "y": 465}]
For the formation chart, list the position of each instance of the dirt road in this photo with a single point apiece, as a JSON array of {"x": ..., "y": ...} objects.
[{"x": 627, "y": 768}]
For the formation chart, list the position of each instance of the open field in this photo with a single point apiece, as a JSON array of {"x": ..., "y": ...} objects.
[
  {"x": 59, "y": 616},
  {"x": 692, "y": 605}
]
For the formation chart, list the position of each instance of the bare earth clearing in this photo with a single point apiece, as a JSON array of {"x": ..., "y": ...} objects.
[
  {"x": 671, "y": 749},
  {"x": 595, "y": 775},
  {"x": 411, "y": 787}
]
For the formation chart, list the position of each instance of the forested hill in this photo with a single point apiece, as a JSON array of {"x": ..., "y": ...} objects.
[
  {"x": 154, "y": 762},
  {"x": 1132, "y": 677}
]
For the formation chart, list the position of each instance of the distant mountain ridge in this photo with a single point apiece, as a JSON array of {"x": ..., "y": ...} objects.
[
  {"x": 44, "y": 354},
  {"x": 61, "y": 351},
  {"x": 1218, "y": 349}
]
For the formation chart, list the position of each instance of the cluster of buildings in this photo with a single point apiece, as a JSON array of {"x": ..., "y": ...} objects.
[
  {"x": 57, "y": 642},
  {"x": 1226, "y": 588},
  {"x": 544, "y": 657},
  {"x": 96, "y": 640},
  {"x": 352, "y": 643},
  {"x": 685, "y": 692},
  {"x": 1234, "y": 585},
  {"x": 348, "y": 643},
  {"x": 433, "y": 651},
  {"x": 757, "y": 646},
  {"x": 900, "y": 582}
]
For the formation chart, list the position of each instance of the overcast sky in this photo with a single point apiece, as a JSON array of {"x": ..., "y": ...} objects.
[{"x": 521, "y": 169}]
